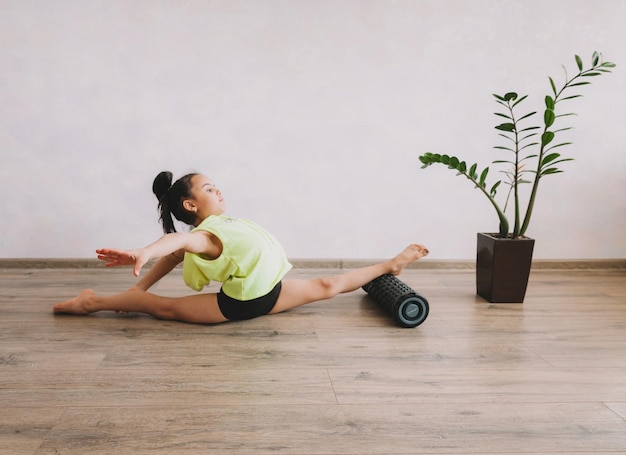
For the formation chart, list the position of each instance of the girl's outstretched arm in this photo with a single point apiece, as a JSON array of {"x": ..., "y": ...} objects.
[
  {"x": 193, "y": 242},
  {"x": 161, "y": 268}
]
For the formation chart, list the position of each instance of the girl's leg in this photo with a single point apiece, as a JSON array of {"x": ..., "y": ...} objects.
[
  {"x": 295, "y": 293},
  {"x": 201, "y": 308}
]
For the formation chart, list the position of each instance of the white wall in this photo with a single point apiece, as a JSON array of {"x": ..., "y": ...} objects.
[{"x": 309, "y": 114}]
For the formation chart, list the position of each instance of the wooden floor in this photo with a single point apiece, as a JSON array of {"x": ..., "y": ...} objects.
[{"x": 337, "y": 377}]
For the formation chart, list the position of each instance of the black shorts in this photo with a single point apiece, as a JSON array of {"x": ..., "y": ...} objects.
[{"x": 239, "y": 310}]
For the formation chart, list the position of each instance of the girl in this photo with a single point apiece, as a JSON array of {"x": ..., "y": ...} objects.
[{"x": 245, "y": 258}]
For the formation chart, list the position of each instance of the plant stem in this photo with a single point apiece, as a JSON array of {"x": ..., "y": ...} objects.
[
  {"x": 504, "y": 222},
  {"x": 516, "y": 174},
  {"x": 533, "y": 194}
]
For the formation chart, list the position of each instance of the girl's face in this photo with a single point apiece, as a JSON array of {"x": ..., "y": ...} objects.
[{"x": 206, "y": 198}]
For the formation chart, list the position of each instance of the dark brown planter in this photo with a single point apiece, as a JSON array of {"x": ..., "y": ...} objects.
[{"x": 503, "y": 268}]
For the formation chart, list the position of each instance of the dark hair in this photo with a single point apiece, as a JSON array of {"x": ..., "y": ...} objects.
[{"x": 171, "y": 199}]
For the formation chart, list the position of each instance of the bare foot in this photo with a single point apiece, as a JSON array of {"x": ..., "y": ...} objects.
[
  {"x": 410, "y": 254},
  {"x": 77, "y": 305}
]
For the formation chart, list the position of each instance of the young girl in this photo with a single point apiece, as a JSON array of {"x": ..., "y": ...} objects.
[{"x": 238, "y": 253}]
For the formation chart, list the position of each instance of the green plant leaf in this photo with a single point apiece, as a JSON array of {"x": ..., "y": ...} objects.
[
  {"x": 546, "y": 138},
  {"x": 576, "y": 84},
  {"x": 492, "y": 191},
  {"x": 562, "y": 144},
  {"x": 548, "y": 158},
  {"x": 562, "y": 161},
  {"x": 511, "y": 96},
  {"x": 510, "y": 127},
  {"x": 591, "y": 74},
  {"x": 551, "y": 170},
  {"x": 595, "y": 58},
  {"x": 503, "y": 115},
  {"x": 549, "y": 102},
  {"x": 526, "y": 116},
  {"x": 579, "y": 62},
  {"x": 527, "y": 136},
  {"x": 608, "y": 65},
  {"x": 530, "y": 128},
  {"x": 472, "y": 171},
  {"x": 528, "y": 145},
  {"x": 483, "y": 177},
  {"x": 562, "y": 129},
  {"x": 548, "y": 118},
  {"x": 553, "y": 86},
  {"x": 570, "y": 97},
  {"x": 425, "y": 162},
  {"x": 506, "y": 137},
  {"x": 519, "y": 101}
]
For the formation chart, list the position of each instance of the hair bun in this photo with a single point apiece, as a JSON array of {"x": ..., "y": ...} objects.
[{"x": 162, "y": 183}]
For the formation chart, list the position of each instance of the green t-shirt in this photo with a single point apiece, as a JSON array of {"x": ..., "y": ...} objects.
[{"x": 251, "y": 264}]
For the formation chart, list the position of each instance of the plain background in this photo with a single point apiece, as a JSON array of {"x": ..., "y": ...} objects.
[{"x": 310, "y": 116}]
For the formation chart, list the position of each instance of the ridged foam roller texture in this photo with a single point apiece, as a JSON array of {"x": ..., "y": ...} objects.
[{"x": 406, "y": 306}]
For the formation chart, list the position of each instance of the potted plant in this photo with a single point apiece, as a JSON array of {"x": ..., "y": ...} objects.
[{"x": 504, "y": 258}]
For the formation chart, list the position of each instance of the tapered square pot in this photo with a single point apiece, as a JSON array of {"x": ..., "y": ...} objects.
[{"x": 503, "y": 268}]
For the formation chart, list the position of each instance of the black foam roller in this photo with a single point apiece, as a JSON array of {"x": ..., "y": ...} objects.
[{"x": 407, "y": 307}]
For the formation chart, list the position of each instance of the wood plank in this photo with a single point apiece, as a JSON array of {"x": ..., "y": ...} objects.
[
  {"x": 478, "y": 385},
  {"x": 344, "y": 429},
  {"x": 618, "y": 408},
  {"x": 23, "y": 429},
  {"x": 166, "y": 387}
]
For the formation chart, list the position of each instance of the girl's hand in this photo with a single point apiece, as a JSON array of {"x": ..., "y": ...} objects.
[{"x": 115, "y": 258}]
